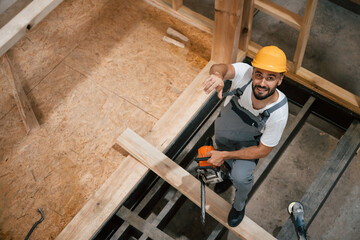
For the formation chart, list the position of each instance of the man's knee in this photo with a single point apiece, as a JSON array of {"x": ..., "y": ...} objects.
[{"x": 240, "y": 179}]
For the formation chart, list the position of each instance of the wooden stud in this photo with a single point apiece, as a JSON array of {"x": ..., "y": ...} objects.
[
  {"x": 228, "y": 14},
  {"x": 304, "y": 34},
  {"x": 187, "y": 184},
  {"x": 24, "y": 107},
  {"x": 246, "y": 25},
  {"x": 176, "y": 4},
  {"x": 292, "y": 19}
]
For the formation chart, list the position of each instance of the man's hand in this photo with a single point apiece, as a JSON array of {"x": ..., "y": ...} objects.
[
  {"x": 217, "y": 158},
  {"x": 214, "y": 81}
]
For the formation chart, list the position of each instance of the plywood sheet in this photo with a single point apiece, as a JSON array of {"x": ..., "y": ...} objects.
[
  {"x": 88, "y": 76},
  {"x": 107, "y": 46}
]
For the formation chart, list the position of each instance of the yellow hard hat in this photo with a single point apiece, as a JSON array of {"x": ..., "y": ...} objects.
[{"x": 270, "y": 58}]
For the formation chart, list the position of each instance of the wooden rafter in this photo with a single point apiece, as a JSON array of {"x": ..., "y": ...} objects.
[{"x": 187, "y": 184}]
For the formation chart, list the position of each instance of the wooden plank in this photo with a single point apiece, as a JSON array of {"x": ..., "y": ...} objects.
[
  {"x": 187, "y": 184},
  {"x": 285, "y": 140},
  {"x": 304, "y": 33},
  {"x": 177, "y": 34},
  {"x": 140, "y": 224},
  {"x": 246, "y": 25},
  {"x": 326, "y": 179},
  {"x": 176, "y": 4},
  {"x": 104, "y": 203},
  {"x": 17, "y": 27},
  {"x": 292, "y": 19},
  {"x": 27, "y": 115},
  {"x": 228, "y": 14},
  {"x": 186, "y": 15},
  {"x": 318, "y": 84}
]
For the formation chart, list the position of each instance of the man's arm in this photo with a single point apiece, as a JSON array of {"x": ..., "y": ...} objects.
[
  {"x": 218, "y": 72},
  {"x": 217, "y": 158}
]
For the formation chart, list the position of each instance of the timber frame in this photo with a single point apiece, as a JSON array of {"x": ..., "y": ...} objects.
[{"x": 116, "y": 190}]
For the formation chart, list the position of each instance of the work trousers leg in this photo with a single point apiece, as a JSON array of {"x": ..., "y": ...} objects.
[{"x": 241, "y": 175}]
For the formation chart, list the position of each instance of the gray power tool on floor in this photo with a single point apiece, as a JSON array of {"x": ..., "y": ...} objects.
[{"x": 296, "y": 209}]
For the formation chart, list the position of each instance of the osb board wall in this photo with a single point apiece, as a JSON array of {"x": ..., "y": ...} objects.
[{"x": 90, "y": 69}]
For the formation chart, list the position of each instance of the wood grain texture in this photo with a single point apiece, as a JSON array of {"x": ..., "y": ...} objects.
[
  {"x": 187, "y": 184},
  {"x": 228, "y": 15},
  {"x": 27, "y": 115}
]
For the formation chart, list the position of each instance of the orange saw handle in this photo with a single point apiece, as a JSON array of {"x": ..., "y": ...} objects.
[{"x": 202, "y": 159}]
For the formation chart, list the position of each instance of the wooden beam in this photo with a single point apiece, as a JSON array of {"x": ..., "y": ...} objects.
[
  {"x": 246, "y": 25},
  {"x": 22, "y": 102},
  {"x": 176, "y": 4},
  {"x": 186, "y": 15},
  {"x": 326, "y": 179},
  {"x": 304, "y": 33},
  {"x": 104, "y": 203},
  {"x": 17, "y": 27},
  {"x": 187, "y": 184},
  {"x": 140, "y": 224},
  {"x": 228, "y": 14},
  {"x": 318, "y": 84},
  {"x": 292, "y": 19}
]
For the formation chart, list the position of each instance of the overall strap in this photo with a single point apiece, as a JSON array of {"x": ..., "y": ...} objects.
[
  {"x": 237, "y": 91},
  {"x": 266, "y": 114}
]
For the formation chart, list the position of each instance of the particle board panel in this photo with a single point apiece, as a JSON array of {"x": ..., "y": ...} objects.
[
  {"x": 18, "y": 26},
  {"x": 48, "y": 43},
  {"x": 108, "y": 49},
  {"x": 62, "y": 164},
  {"x": 81, "y": 116},
  {"x": 183, "y": 181},
  {"x": 26, "y": 113}
]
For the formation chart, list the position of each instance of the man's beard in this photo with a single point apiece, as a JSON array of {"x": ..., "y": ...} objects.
[{"x": 262, "y": 97}]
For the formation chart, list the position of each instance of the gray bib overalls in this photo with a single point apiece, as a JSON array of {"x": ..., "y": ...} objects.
[{"x": 238, "y": 128}]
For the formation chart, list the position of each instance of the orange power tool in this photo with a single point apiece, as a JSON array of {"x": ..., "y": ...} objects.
[{"x": 206, "y": 173}]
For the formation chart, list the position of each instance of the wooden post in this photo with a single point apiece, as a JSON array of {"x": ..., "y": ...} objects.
[
  {"x": 26, "y": 112},
  {"x": 227, "y": 27},
  {"x": 304, "y": 33},
  {"x": 176, "y": 4},
  {"x": 246, "y": 25}
]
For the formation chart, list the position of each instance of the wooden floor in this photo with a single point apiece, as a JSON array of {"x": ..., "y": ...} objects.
[{"x": 90, "y": 69}]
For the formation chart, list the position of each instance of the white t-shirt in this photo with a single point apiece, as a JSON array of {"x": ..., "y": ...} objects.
[{"x": 274, "y": 127}]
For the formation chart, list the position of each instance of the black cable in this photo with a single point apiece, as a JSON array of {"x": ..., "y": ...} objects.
[{"x": 34, "y": 226}]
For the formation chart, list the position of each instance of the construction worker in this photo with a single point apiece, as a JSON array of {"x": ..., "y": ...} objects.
[{"x": 251, "y": 121}]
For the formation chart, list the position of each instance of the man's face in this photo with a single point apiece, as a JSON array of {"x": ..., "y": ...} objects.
[{"x": 265, "y": 83}]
